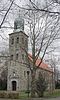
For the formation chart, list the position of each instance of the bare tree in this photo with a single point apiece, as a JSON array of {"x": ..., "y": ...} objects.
[
  {"x": 6, "y": 13},
  {"x": 53, "y": 64},
  {"x": 43, "y": 26},
  {"x": 40, "y": 38},
  {"x": 43, "y": 31}
]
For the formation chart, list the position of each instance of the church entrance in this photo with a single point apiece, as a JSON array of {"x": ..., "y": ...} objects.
[{"x": 13, "y": 85}]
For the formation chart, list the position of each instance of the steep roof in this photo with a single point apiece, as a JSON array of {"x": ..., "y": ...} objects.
[{"x": 43, "y": 65}]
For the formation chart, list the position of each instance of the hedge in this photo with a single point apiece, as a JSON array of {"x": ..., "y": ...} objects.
[{"x": 7, "y": 94}]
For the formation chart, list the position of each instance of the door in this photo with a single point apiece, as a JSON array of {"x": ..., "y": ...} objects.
[{"x": 13, "y": 85}]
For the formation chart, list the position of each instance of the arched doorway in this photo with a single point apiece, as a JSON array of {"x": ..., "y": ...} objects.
[{"x": 13, "y": 85}]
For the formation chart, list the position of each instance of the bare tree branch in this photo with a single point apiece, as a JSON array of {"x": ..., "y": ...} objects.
[{"x": 6, "y": 14}]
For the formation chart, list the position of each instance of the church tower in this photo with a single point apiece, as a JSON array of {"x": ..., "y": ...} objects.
[{"x": 17, "y": 70}]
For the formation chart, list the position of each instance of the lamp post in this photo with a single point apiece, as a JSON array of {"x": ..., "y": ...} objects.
[{"x": 28, "y": 83}]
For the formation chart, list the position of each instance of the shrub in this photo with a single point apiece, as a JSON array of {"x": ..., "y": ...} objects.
[
  {"x": 13, "y": 95},
  {"x": 3, "y": 94},
  {"x": 57, "y": 85},
  {"x": 6, "y": 94},
  {"x": 3, "y": 84},
  {"x": 41, "y": 85}
]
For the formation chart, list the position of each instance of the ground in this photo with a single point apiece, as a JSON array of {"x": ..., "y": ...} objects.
[{"x": 57, "y": 98}]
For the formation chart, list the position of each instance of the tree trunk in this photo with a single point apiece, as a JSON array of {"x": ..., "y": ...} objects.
[{"x": 33, "y": 83}]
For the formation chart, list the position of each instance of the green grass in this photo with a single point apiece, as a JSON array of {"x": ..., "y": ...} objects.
[
  {"x": 51, "y": 94},
  {"x": 55, "y": 93},
  {"x": 23, "y": 94}
]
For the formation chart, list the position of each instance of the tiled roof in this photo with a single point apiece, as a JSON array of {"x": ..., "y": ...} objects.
[{"x": 43, "y": 65}]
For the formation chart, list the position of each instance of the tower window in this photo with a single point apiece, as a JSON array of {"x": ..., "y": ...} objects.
[
  {"x": 17, "y": 40},
  {"x": 16, "y": 56},
  {"x": 11, "y": 57},
  {"x": 12, "y": 41}
]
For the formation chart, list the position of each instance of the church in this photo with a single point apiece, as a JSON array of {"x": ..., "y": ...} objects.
[
  {"x": 17, "y": 79},
  {"x": 17, "y": 71}
]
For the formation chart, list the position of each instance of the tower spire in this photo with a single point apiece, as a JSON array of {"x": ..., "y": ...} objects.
[{"x": 19, "y": 23}]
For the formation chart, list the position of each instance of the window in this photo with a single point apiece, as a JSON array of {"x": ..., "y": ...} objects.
[
  {"x": 22, "y": 56},
  {"x": 17, "y": 40},
  {"x": 12, "y": 41},
  {"x": 11, "y": 57},
  {"x": 16, "y": 56}
]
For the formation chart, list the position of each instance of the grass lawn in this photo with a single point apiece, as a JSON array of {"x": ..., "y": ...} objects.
[
  {"x": 55, "y": 93},
  {"x": 23, "y": 94}
]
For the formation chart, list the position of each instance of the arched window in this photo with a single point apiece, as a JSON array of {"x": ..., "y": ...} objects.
[
  {"x": 12, "y": 41},
  {"x": 17, "y": 40},
  {"x": 11, "y": 57},
  {"x": 17, "y": 56}
]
